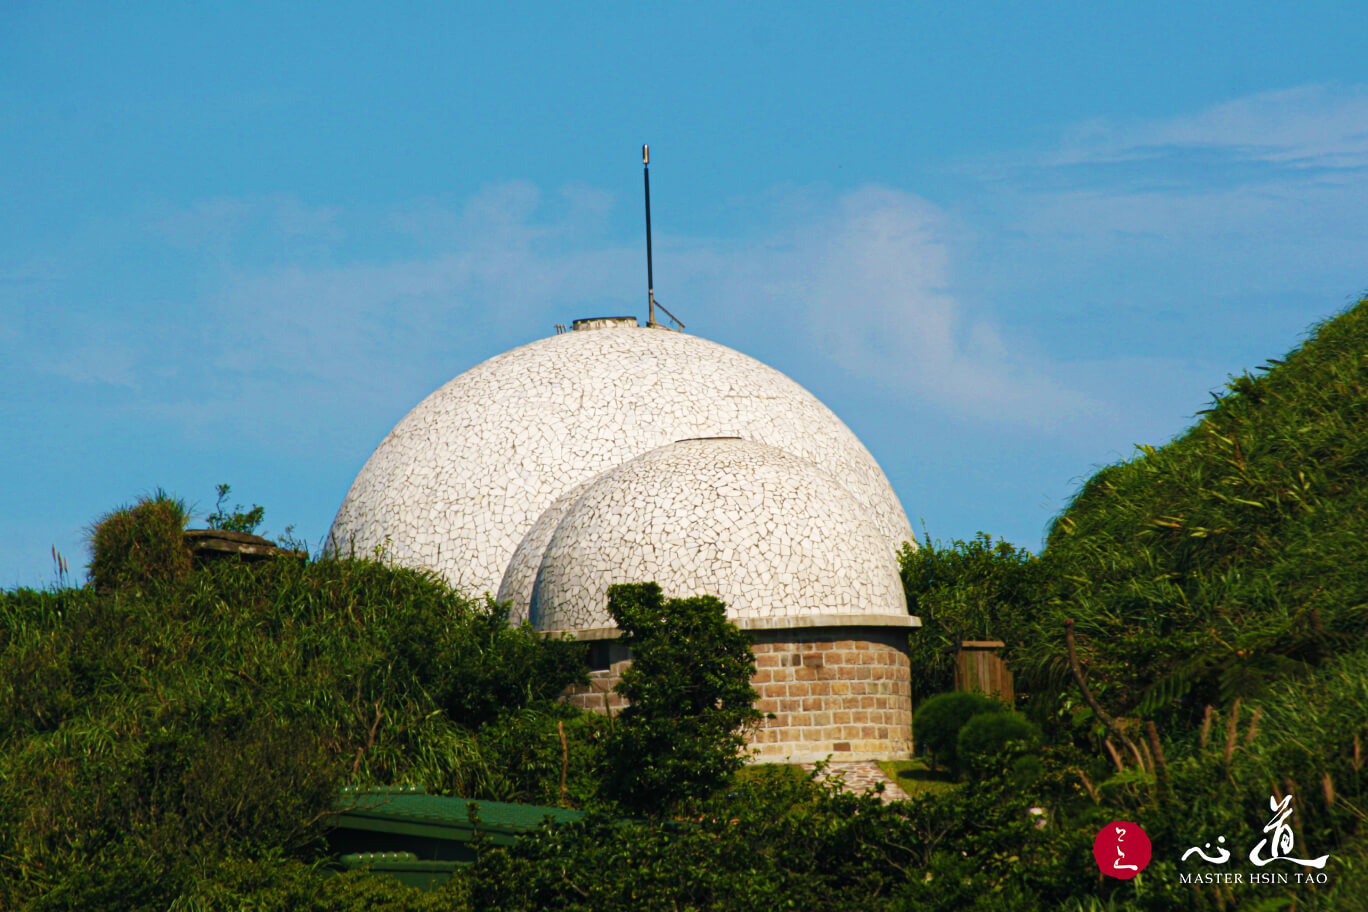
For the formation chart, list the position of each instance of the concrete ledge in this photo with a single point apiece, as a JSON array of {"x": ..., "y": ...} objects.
[
  {"x": 827, "y": 620},
  {"x": 800, "y": 622},
  {"x": 758, "y": 755}
]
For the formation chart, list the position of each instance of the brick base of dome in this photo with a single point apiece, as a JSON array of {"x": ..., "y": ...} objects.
[{"x": 838, "y": 692}]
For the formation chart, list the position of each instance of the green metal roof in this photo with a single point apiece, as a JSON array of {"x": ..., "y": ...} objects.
[
  {"x": 409, "y": 811},
  {"x": 407, "y": 867},
  {"x": 419, "y": 838}
]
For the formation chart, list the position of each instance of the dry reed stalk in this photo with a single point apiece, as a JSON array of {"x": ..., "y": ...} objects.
[
  {"x": 1153, "y": 733},
  {"x": 565, "y": 756},
  {"x": 1096, "y": 707},
  {"x": 1298, "y": 810},
  {"x": 1253, "y": 724},
  {"x": 1206, "y": 725},
  {"x": 1092, "y": 789},
  {"x": 1231, "y": 730}
]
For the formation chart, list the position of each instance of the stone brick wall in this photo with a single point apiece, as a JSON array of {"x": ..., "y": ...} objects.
[
  {"x": 843, "y": 692},
  {"x": 598, "y": 695},
  {"x": 838, "y": 692}
]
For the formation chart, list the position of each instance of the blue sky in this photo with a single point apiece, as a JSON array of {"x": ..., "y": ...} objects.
[{"x": 1004, "y": 242}]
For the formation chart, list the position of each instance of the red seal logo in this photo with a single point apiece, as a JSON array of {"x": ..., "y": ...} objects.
[{"x": 1122, "y": 849}]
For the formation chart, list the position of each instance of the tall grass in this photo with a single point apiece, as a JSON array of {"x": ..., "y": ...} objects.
[
  {"x": 146, "y": 733},
  {"x": 1234, "y": 557}
]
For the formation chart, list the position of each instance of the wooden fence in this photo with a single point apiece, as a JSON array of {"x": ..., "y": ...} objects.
[{"x": 979, "y": 667}]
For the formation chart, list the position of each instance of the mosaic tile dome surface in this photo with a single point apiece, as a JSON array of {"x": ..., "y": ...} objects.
[
  {"x": 766, "y": 531},
  {"x": 463, "y": 478}
]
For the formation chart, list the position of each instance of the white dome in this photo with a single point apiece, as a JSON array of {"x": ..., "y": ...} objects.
[
  {"x": 521, "y": 575},
  {"x": 766, "y": 531},
  {"x": 463, "y": 477}
]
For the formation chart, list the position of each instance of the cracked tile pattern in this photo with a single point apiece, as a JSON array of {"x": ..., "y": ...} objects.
[
  {"x": 521, "y": 574},
  {"x": 768, "y": 532},
  {"x": 463, "y": 478}
]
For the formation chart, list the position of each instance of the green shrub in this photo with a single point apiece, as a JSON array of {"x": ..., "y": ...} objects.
[
  {"x": 492, "y": 669},
  {"x": 527, "y": 757},
  {"x": 237, "y": 521},
  {"x": 149, "y": 738},
  {"x": 140, "y": 545},
  {"x": 680, "y": 738},
  {"x": 975, "y": 590},
  {"x": 986, "y": 735},
  {"x": 937, "y": 723}
]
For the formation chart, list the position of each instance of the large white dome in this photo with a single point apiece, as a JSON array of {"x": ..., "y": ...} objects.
[
  {"x": 766, "y": 531},
  {"x": 460, "y": 481}
]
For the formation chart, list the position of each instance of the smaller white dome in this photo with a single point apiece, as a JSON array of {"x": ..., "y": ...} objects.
[
  {"x": 521, "y": 575},
  {"x": 769, "y": 533}
]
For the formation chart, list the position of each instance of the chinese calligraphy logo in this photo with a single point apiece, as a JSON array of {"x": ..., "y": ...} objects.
[
  {"x": 1121, "y": 849},
  {"x": 1276, "y": 846}
]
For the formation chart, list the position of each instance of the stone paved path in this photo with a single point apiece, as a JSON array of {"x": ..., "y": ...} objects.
[{"x": 862, "y": 775}]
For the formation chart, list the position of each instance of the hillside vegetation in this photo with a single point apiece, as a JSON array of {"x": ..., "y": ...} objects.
[
  {"x": 1236, "y": 556},
  {"x": 174, "y": 742},
  {"x": 154, "y": 740}
]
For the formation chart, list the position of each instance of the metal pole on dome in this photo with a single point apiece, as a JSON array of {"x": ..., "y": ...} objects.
[{"x": 650, "y": 274}]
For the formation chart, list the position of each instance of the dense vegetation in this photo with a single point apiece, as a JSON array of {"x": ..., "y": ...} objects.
[
  {"x": 155, "y": 740},
  {"x": 682, "y": 735},
  {"x": 1189, "y": 643}
]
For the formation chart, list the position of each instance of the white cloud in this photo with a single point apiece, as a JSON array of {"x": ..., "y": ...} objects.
[
  {"x": 869, "y": 277},
  {"x": 1306, "y": 127},
  {"x": 879, "y": 299},
  {"x": 231, "y": 228},
  {"x": 493, "y": 264},
  {"x": 1258, "y": 196},
  {"x": 102, "y": 360},
  {"x": 864, "y": 283}
]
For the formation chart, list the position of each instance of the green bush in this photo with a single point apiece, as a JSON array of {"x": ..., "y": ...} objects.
[
  {"x": 152, "y": 739},
  {"x": 976, "y": 590},
  {"x": 984, "y": 737},
  {"x": 140, "y": 545},
  {"x": 237, "y": 521},
  {"x": 937, "y": 723},
  {"x": 528, "y": 758},
  {"x": 681, "y": 736}
]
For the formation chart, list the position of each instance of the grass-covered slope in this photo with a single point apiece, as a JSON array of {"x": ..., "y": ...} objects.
[
  {"x": 1218, "y": 587},
  {"x": 1233, "y": 556},
  {"x": 153, "y": 739}
]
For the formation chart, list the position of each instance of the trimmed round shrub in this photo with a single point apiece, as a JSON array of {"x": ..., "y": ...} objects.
[
  {"x": 937, "y": 722},
  {"x": 141, "y": 544},
  {"x": 984, "y": 736}
]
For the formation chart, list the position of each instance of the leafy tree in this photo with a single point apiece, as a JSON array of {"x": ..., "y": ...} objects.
[
  {"x": 690, "y": 698},
  {"x": 1228, "y": 560},
  {"x": 180, "y": 744},
  {"x": 238, "y": 520},
  {"x": 980, "y": 589}
]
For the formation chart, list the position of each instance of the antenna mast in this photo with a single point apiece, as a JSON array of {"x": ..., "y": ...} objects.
[{"x": 650, "y": 273}]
